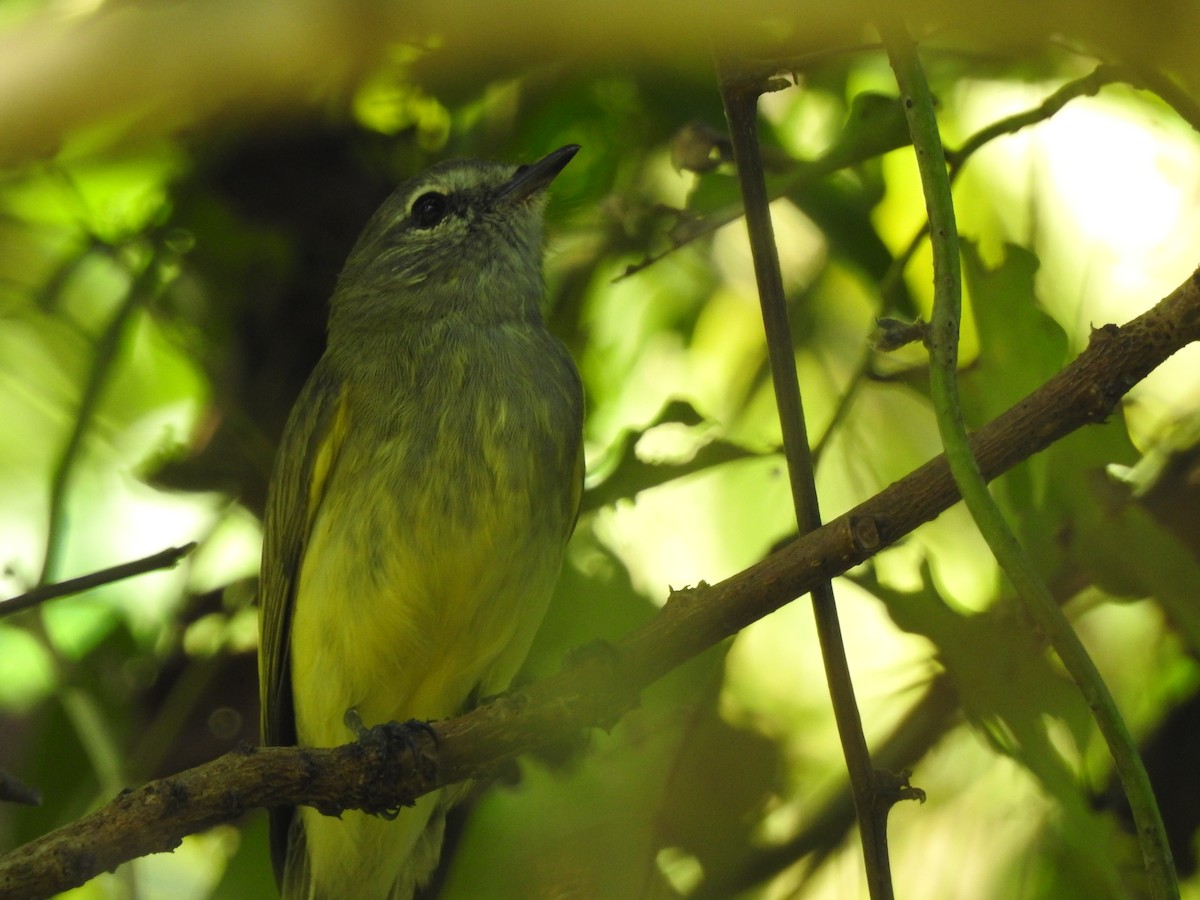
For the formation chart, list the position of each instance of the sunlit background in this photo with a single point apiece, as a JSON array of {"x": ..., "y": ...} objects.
[{"x": 161, "y": 298}]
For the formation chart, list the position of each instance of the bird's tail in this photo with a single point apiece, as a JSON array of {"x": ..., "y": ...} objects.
[{"x": 364, "y": 857}]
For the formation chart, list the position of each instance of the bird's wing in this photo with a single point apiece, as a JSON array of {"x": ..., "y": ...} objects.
[
  {"x": 577, "y": 476},
  {"x": 307, "y": 455}
]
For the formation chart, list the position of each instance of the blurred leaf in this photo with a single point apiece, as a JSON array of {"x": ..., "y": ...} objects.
[
  {"x": 26, "y": 671},
  {"x": 875, "y": 125},
  {"x": 593, "y": 601},
  {"x": 1020, "y": 345},
  {"x": 717, "y": 788},
  {"x": 1003, "y": 678},
  {"x": 631, "y": 475},
  {"x": 1126, "y": 553},
  {"x": 247, "y": 874},
  {"x": 671, "y": 776}
]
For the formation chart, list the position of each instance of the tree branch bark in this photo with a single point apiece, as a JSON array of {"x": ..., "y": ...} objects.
[{"x": 597, "y": 687}]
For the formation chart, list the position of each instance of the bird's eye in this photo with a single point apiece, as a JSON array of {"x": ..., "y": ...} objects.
[{"x": 429, "y": 209}]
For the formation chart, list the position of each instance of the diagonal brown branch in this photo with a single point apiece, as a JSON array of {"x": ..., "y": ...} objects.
[{"x": 598, "y": 687}]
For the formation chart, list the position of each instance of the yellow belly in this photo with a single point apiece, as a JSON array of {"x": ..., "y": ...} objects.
[{"x": 401, "y": 621}]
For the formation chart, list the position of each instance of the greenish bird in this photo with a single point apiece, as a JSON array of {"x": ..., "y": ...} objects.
[{"x": 426, "y": 485}]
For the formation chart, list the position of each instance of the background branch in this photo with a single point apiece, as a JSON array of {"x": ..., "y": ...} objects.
[
  {"x": 108, "y": 348},
  {"x": 57, "y": 76},
  {"x": 163, "y": 559}
]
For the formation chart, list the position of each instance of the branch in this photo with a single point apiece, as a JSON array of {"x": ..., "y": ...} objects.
[
  {"x": 107, "y": 351},
  {"x": 1017, "y": 565},
  {"x": 598, "y": 687},
  {"x": 60, "y": 74},
  {"x": 739, "y": 94},
  {"x": 163, "y": 559},
  {"x": 874, "y": 126}
]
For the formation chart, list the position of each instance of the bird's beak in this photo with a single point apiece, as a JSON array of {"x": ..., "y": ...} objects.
[{"x": 528, "y": 180}]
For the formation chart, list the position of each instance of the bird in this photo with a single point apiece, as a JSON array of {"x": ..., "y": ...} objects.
[{"x": 426, "y": 485}]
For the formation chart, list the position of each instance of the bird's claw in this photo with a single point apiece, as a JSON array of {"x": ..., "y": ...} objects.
[{"x": 390, "y": 738}]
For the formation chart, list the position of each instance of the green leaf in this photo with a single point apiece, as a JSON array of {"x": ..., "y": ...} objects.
[{"x": 630, "y": 475}]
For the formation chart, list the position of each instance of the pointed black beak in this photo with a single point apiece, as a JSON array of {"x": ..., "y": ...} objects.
[{"x": 528, "y": 180}]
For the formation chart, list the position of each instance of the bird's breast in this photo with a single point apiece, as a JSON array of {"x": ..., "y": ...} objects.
[{"x": 440, "y": 534}]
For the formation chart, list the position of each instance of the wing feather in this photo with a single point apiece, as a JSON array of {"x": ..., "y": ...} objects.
[{"x": 307, "y": 455}]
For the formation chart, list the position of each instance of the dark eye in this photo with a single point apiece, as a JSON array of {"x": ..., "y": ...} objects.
[{"x": 429, "y": 209}]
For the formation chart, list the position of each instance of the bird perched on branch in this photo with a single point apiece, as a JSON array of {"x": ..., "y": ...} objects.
[{"x": 428, "y": 480}]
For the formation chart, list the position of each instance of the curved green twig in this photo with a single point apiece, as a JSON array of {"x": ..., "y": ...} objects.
[{"x": 942, "y": 342}]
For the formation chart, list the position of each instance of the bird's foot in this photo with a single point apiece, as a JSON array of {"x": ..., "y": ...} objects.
[{"x": 391, "y": 738}]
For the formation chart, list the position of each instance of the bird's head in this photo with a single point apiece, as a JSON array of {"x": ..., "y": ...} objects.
[{"x": 464, "y": 234}]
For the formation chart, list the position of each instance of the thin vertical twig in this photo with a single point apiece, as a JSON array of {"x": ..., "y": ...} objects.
[{"x": 739, "y": 93}]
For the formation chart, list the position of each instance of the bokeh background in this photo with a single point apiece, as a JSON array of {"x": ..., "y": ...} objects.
[{"x": 180, "y": 185}]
